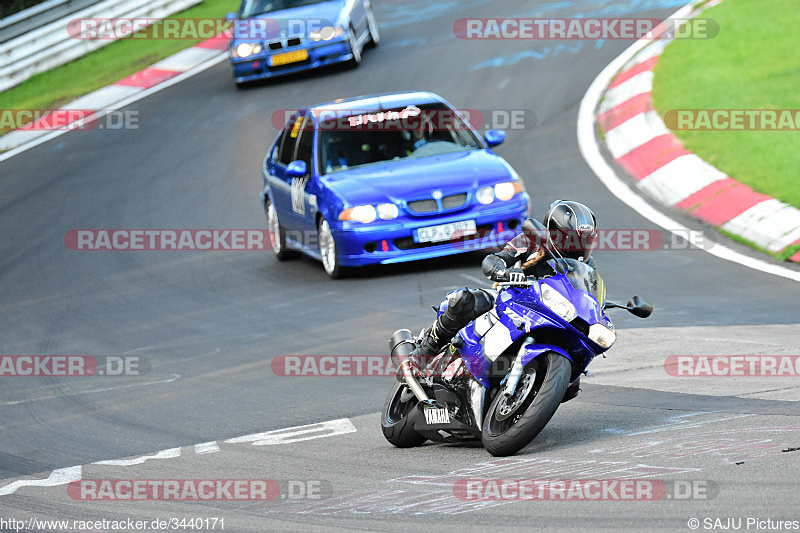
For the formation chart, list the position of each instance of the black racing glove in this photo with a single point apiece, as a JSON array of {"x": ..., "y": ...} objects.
[{"x": 511, "y": 275}]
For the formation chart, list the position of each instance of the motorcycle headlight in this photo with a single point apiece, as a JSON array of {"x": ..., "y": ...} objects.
[
  {"x": 247, "y": 49},
  {"x": 557, "y": 303},
  {"x": 601, "y": 335}
]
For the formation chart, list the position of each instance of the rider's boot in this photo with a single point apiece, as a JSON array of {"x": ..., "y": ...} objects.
[{"x": 461, "y": 309}]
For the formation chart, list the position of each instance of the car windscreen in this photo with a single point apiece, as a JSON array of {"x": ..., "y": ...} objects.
[
  {"x": 354, "y": 139},
  {"x": 250, "y": 8}
]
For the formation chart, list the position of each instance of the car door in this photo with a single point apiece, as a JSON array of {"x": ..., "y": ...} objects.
[
  {"x": 280, "y": 182},
  {"x": 303, "y": 202}
]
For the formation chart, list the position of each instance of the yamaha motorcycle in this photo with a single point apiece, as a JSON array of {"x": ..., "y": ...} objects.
[{"x": 503, "y": 376}]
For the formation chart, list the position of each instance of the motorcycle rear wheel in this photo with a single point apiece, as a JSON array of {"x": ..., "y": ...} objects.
[
  {"x": 512, "y": 423},
  {"x": 394, "y": 418}
]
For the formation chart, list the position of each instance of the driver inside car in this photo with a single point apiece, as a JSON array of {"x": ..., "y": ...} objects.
[
  {"x": 569, "y": 231},
  {"x": 418, "y": 137}
]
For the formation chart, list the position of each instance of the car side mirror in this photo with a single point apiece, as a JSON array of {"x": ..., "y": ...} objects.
[
  {"x": 494, "y": 137},
  {"x": 639, "y": 307},
  {"x": 296, "y": 169}
]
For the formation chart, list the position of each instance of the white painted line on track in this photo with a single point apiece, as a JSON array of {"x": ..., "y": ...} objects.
[
  {"x": 62, "y": 476},
  {"x": 591, "y": 153},
  {"x": 290, "y": 435},
  {"x": 163, "y": 454},
  {"x": 298, "y": 434},
  {"x": 206, "y": 447}
]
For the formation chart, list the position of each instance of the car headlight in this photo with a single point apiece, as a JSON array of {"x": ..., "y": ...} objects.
[
  {"x": 248, "y": 49},
  {"x": 502, "y": 191},
  {"x": 557, "y": 303},
  {"x": 506, "y": 191},
  {"x": 601, "y": 335},
  {"x": 360, "y": 213},
  {"x": 326, "y": 34},
  {"x": 387, "y": 211},
  {"x": 485, "y": 195}
]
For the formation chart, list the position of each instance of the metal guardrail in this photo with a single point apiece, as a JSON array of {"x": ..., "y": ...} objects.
[
  {"x": 50, "y": 45},
  {"x": 39, "y": 15}
]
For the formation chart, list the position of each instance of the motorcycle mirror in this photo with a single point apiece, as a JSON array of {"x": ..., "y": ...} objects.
[{"x": 639, "y": 307}]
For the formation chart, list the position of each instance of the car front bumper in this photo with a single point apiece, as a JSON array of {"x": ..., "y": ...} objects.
[
  {"x": 392, "y": 242},
  {"x": 257, "y": 67}
]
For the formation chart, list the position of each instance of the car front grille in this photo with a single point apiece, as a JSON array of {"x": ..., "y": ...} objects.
[
  {"x": 429, "y": 205},
  {"x": 454, "y": 200},
  {"x": 424, "y": 206}
]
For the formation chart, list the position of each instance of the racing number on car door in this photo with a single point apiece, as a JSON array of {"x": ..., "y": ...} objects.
[
  {"x": 300, "y": 193},
  {"x": 280, "y": 182}
]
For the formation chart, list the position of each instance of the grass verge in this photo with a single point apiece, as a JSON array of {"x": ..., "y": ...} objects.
[
  {"x": 752, "y": 64},
  {"x": 105, "y": 66}
]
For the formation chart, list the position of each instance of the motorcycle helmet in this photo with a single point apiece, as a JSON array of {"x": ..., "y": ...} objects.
[{"x": 571, "y": 230}]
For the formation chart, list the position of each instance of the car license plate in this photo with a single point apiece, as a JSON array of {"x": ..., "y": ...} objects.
[
  {"x": 288, "y": 57},
  {"x": 436, "y": 416},
  {"x": 443, "y": 232}
]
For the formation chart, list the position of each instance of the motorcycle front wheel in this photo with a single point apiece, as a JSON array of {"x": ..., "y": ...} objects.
[
  {"x": 394, "y": 418},
  {"x": 513, "y": 422}
]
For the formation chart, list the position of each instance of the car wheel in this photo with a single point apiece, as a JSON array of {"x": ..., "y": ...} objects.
[
  {"x": 276, "y": 234},
  {"x": 327, "y": 249},
  {"x": 372, "y": 24},
  {"x": 356, "y": 51}
]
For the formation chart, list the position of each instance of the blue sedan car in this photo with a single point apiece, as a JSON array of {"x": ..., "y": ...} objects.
[
  {"x": 387, "y": 178},
  {"x": 278, "y": 37}
]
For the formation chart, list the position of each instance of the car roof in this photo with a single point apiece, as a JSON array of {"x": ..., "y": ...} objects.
[{"x": 378, "y": 102}]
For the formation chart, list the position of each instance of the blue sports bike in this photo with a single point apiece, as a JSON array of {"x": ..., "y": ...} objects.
[{"x": 503, "y": 376}]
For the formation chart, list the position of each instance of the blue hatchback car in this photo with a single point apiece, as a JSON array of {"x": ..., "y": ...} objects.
[
  {"x": 387, "y": 178},
  {"x": 278, "y": 37}
]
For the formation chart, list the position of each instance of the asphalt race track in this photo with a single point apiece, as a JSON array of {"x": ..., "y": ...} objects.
[{"x": 209, "y": 323}]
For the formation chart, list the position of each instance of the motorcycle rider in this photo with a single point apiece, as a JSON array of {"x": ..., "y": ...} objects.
[{"x": 569, "y": 231}]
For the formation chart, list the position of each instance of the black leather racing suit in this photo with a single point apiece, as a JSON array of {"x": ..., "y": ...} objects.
[{"x": 466, "y": 304}]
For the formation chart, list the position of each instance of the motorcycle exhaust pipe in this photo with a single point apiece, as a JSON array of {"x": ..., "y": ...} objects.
[{"x": 401, "y": 345}]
